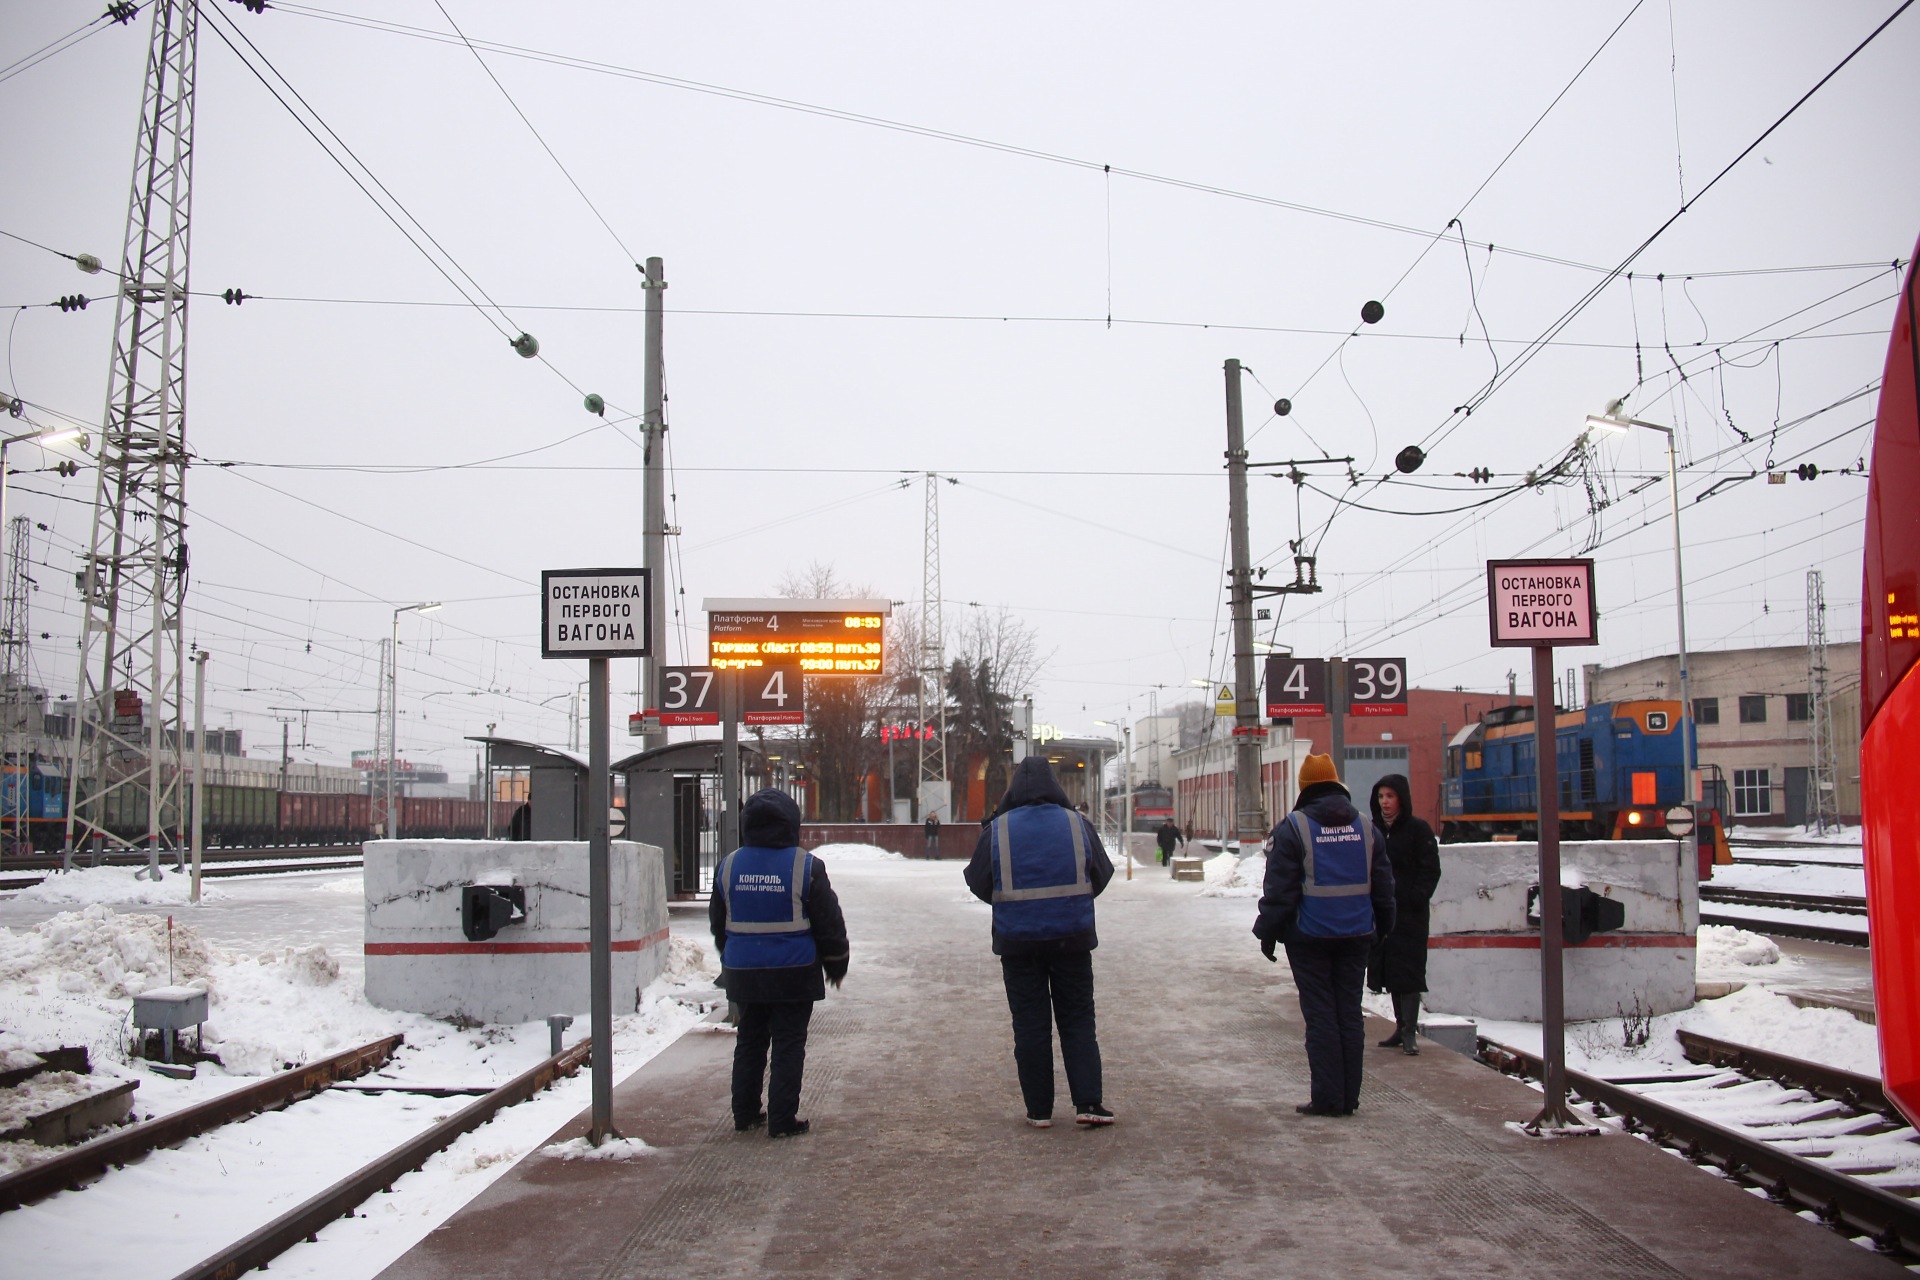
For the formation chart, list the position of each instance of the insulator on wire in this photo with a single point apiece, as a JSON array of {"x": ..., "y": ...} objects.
[
  {"x": 87, "y": 263},
  {"x": 596, "y": 405},
  {"x": 526, "y": 344},
  {"x": 1480, "y": 475},
  {"x": 122, "y": 11},
  {"x": 234, "y": 297},
  {"x": 72, "y": 302}
]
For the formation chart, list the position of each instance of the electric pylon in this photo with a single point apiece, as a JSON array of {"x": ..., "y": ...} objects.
[
  {"x": 1824, "y": 807},
  {"x": 933, "y": 661},
  {"x": 18, "y": 702},
  {"x": 127, "y": 742}
]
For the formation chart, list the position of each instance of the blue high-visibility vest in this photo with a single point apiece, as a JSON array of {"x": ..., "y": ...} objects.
[
  {"x": 1040, "y": 885},
  {"x": 766, "y": 895},
  {"x": 1336, "y": 881}
]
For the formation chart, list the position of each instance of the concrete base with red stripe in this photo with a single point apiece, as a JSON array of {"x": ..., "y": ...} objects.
[
  {"x": 1483, "y": 957},
  {"x": 419, "y": 959}
]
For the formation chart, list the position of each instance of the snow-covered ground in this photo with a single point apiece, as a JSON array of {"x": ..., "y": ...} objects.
[
  {"x": 1839, "y": 836},
  {"x": 1825, "y": 880},
  {"x": 281, "y": 957},
  {"x": 281, "y": 960}
]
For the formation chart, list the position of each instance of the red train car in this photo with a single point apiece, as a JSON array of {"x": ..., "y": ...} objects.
[
  {"x": 1890, "y": 710},
  {"x": 324, "y": 818}
]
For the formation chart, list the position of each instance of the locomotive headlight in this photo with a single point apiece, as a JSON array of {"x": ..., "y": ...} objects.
[{"x": 1634, "y": 819}]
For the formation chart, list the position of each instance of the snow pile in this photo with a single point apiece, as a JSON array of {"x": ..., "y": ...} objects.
[
  {"x": 857, "y": 853},
  {"x": 582, "y": 1149},
  {"x": 689, "y": 960},
  {"x": 1231, "y": 876},
  {"x": 1720, "y": 945},
  {"x": 94, "y": 952},
  {"x": 115, "y": 885}
]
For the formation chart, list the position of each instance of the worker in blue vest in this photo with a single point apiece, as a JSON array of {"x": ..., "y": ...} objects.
[
  {"x": 1328, "y": 891},
  {"x": 777, "y": 925},
  {"x": 1041, "y": 865}
]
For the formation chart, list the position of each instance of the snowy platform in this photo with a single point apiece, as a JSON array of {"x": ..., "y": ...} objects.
[{"x": 919, "y": 1163}]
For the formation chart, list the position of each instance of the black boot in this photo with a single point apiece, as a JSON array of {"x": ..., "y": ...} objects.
[{"x": 1406, "y": 1008}]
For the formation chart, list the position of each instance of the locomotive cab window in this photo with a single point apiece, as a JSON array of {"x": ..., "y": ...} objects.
[{"x": 1656, "y": 722}]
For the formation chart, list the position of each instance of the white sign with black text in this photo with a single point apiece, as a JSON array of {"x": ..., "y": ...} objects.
[{"x": 595, "y": 613}]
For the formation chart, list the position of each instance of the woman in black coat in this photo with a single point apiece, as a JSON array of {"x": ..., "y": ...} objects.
[{"x": 1399, "y": 962}]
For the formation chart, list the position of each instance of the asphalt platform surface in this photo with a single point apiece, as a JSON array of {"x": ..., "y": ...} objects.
[{"x": 920, "y": 1163}]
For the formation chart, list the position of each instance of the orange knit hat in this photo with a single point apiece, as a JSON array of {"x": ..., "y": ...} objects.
[{"x": 1315, "y": 769}]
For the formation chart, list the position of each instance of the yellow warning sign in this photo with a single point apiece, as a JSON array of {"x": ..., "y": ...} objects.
[{"x": 1223, "y": 702}]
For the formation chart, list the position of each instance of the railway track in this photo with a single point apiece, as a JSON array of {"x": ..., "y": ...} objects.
[
  {"x": 16, "y": 873},
  {"x": 85, "y": 1165},
  {"x": 1793, "y": 901},
  {"x": 1819, "y": 1141}
]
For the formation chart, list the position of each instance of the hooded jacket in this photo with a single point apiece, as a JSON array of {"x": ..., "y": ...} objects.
[
  {"x": 771, "y": 820},
  {"x": 1032, "y": 784},
  {"x": 1326, "y": 803},
  {"x": 1399, "y": 962}
]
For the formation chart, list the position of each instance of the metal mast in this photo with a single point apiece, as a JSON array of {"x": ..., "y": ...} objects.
[
  {"x": 653, "y": 504},
  {"x": 133, "y": 581},
  {"x": 19, "y": 703},
  {"x": 380, "y": 776},
  {"x": 933, "y": 663},
  {"x": 1825, "y": 799}
]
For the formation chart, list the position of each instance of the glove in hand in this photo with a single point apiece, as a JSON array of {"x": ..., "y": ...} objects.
[
  {"x": 1266, "y": 949},
  {"x": 836, "y": 969}
]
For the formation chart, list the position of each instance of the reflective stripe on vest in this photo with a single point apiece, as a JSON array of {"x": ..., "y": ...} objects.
[
  {"x": 796, "y": 923},
  {"x": 1003, "y": 892}
]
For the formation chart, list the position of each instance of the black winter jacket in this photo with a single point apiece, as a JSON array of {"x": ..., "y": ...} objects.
[
  {"x": 1399, "y": 961},
  {"x": 1327, "y": 804},
  {"x": 1033, "y": 783},
  {"x": 771, "y": 820}
]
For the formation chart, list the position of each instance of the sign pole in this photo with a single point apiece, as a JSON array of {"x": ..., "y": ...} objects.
[
  {"x": 1337, "y": 709},
  {"x": 1553, "y": 1022},
  {"x": 729, "y": 761},
  {"x": 600, "y": 909}
]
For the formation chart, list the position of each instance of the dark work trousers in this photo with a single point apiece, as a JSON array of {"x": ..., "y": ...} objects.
[
  {"x": 1043, "y": 989},
  {"x": 784, "y": 1025},
  {"x": 933, "y": 844},
  {"x": 1329, "y": 973}
]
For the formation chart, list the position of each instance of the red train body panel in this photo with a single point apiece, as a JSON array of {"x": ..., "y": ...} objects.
[{"x": 1890, "y": 711}]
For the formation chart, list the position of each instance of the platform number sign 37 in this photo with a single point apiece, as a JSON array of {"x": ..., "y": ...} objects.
[
  {"x": 773, "y": 694},
  {"x": 1377, "y": 686}
]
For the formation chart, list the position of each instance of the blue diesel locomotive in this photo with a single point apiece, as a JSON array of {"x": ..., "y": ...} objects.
[{"x": 1620, "y": 766}]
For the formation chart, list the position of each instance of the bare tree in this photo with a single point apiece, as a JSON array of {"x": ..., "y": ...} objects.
[
  {"x": 839, "y": 745},
  {"x": 995, "y": 657}
]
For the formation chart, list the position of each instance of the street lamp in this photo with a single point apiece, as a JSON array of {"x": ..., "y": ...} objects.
[
  {"x": 1126, "y": 801},
  {"x": 393, "y": 707},
  {"x": 1614, "y": 420}
]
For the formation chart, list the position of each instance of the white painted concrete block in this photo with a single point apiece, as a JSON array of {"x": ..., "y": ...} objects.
[
  {"x": 1483, "y": 958},
  {"x": 418, "y": 959}
]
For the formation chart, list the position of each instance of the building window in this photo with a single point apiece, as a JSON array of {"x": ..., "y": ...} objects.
[
  {"x": 1752, "y": 792},
  {"x": 1799, "y": 706},
  {"x": 1753, "y": 708},
  {"x": 1706, "y": 711}
]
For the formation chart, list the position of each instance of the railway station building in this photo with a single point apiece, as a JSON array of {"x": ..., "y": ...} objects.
[{"x": 1754, "y": 710}]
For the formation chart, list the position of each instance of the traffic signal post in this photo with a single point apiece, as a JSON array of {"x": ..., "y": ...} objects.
[{"x": 1534, "y": 604}]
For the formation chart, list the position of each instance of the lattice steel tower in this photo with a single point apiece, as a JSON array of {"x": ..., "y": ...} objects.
[
  {"x": 127, "y": 739},
  {"x": 933, "y": 655},
  {"x": 18, "y": 702},
  {"x": 1823, "y": 802}
]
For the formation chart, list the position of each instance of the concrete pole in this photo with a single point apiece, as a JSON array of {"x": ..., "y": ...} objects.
[
  {"x": 1250, "y": 826},
  {"x": 600, "y": 902},
  {"x": 1337, "y": 707},
  {"x": 199, "y": 767},
  {"x": 654, "y": 505},
  {"x": 1126, "y": 802},
  {"x": 393, "y": 718}
]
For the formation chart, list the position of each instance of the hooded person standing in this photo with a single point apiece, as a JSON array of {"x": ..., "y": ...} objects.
[
  {"x": 1328, "y": 889},
  {"x": 1041, "y": 865},
  {"x": 777, "y": 925},
  {"x": 1399, "y": 961}
]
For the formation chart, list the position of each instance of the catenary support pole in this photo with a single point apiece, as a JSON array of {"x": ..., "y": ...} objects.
[
  {"x": 1337, "y": 714},
  {"x": 1553, "y": 1025},
  {"x": 1126, "y": 809},
  {"x": 600, "y": 906},
  {"x": 654, "y": 505},
  {"x": 1250, "y": 826},
  {"x": 729, "y": 761},
  {"x": 199, "y": 766}
]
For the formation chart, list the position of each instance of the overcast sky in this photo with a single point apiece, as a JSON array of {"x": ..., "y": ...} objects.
[{"x": 907, "y": 263}]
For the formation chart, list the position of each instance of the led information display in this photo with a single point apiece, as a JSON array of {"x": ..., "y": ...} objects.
[
  {"x": 820, "y": 637},
  {"x": 595, "y": 613},
  {"x": 1541, "y": 602}
]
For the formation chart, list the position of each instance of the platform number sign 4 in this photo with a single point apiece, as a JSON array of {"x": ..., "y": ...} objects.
[
  {"x": 773, "y": 694},
  {"x": 1377, "y": 686},
  {"x": 1296, "y": 687},
  {"x": 689, "y": 695}
]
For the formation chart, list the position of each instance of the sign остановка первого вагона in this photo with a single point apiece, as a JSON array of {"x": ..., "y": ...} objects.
[
  {"x": 595, "y": 613},
  {"x": 1532, "y": 603}
]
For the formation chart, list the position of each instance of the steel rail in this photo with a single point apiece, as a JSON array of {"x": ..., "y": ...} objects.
[
  {"x": 305, "y": 1221},
  {"x": 1816, "y": 1078},
  {"x": 1796, "y": 901},
  {"x": 138, "y": 858},
  {"x": 1787, "y": 928},
  {"x": 1841, "y": 1202},
  {"x": 71, "y": 1169},
  {"x": 278, "y": 868}
]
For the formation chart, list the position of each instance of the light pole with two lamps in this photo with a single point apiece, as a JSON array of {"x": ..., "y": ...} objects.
[
  {"x": 393, "y": 707},
  {"x": 1615, "y": 420},
  {"x": 1126, "y": 801}
]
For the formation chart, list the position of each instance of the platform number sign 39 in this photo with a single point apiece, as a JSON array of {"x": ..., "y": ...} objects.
[
  {"x": 773, "y": 694},
  {"x": 1377, "y": 686},
  {"x": 689, "y": 695}
]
